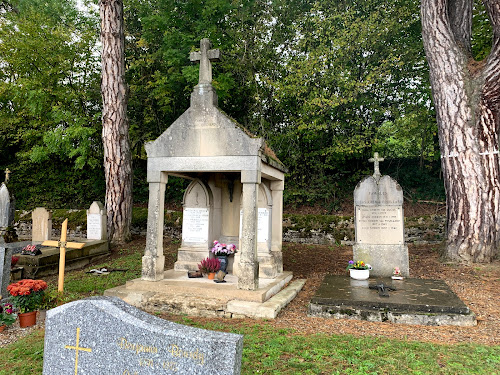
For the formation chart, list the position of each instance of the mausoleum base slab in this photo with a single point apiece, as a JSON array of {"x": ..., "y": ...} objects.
[
  {"x": 414, "y": 301},
  {"x": 178, "y": 294}
]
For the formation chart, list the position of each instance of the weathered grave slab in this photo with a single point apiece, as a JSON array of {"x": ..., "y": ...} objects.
[
  {"x": 415, "y": 301},
  {"x": 104, "y": 335}
]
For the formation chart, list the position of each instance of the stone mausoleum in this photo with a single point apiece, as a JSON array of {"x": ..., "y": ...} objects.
[{"x": 235, "y": 195}]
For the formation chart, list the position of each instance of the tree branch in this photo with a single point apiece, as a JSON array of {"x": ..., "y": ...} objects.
[{"x": 460, "y": 18}]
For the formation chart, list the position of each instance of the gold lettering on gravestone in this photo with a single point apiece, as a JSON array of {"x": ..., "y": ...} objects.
[
  {"x": 195, "y": 355},
  {"x": 77, "y": 348}
]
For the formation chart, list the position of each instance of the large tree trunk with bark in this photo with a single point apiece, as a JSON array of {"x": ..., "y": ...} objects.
[
  {"x": 115, "y": 127},
  {"x": 466, "y": 97}
]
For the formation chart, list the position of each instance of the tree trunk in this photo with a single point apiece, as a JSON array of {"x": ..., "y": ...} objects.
[
  {"x": 115, "y": 127},
  {"x": 466, "y": 97}
]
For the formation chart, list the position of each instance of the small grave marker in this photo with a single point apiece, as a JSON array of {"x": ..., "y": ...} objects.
[
  {"x": 104, "y": 335},
  {"x": 96, "y": 222},
  {"x": 41, "y": 228},
  {"x": 62, "y": 252}
]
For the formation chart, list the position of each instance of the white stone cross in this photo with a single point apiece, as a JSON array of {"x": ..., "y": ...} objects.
[
  {"x": 205, "y": 56},
  {"x": 7, "y": 173},
  {"x": 376, "y": 160}
]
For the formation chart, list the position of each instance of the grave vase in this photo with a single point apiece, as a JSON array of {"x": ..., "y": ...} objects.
[
  {"x": 2, "y": 327},
  {"x": 223, "y": 262},
  {"x": 359, "y": 274},
  {"x": 27, "y": 319}
]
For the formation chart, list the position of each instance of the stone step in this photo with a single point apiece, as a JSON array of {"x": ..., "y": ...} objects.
[{"x": 270, "y": 308}]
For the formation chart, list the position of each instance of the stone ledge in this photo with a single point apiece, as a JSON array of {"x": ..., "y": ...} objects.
[
  {"x": 268, "y": 309},
  {"x": 427, "y": 319},
  {"x": 201, "y": 297}
]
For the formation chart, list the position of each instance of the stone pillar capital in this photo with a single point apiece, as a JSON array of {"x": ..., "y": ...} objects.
[{"x": 250, "y": 177}]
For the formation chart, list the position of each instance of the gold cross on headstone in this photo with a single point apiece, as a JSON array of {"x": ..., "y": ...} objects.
[
  {"x": 77, "y": 348},
  {"x": 62, "y": 252},
  {"x": 376, "y": 160},
  {"x": 7, "y": 173},
  {"x": 205, "y": 56}
]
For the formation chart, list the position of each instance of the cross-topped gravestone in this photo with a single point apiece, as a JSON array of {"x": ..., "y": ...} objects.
[
  {"x": 205, "y": 57},
  {"x": 376, "y": 161},
  {"x": 7, "y": 173}
]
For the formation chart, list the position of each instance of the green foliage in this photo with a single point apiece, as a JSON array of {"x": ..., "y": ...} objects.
[{"x": 325, "y": 83}]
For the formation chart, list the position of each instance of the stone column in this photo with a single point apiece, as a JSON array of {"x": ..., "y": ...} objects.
[
  {"x": 248, "y": 274},
  {"x": 153, "y": 261},
  {"x": 277, "y": 188}
]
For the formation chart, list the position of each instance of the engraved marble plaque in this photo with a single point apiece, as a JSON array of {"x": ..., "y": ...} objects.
[
  {"x": 379, "y": 225},
  {"x": 195, "y": 225}
]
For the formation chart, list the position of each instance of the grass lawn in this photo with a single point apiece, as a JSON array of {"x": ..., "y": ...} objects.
[{"x": 269, "y": 350}]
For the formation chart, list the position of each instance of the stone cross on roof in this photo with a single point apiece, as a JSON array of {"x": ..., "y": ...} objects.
[
  {"x": 205, "y": 56},
  {"x": 7, "y": 173},
  {"x": 376, "y": 161}
]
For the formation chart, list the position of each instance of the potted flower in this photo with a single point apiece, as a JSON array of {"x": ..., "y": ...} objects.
[
  {"x": 209, "y": 266},
  {"x": 7, "y": 316},
  {"x": 222, "y": 252},
  {"x": 359, "y": 270},
  {"x": 27, "y": 296}
]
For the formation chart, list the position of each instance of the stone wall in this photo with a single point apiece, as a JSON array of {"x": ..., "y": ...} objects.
[{"x": 307, "y": 229}]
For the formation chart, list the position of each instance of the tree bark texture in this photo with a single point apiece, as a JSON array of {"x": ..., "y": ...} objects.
[
  {"x": 466, "y": 97},
  {"x": 115, "y": 126}
]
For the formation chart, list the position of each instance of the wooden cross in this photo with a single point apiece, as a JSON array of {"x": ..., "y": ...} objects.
[
  {"x": 62, "y": 252},
  {"x": 205, "y": 56},
  {"x": 7, "y": 173},
  {"x": 376, "y": 161},
  {"x": 77, "y": 347}
]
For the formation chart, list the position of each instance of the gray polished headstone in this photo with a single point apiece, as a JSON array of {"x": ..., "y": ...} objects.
[{"x": 104, "y": 335}]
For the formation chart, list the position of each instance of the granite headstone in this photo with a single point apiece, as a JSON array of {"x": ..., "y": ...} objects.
[
  {"x": 379, "y": 224},
  {"x": 96, "y": 222},
  {"x": 104, "y": 335},
  {"x": 41, "y": 229}
]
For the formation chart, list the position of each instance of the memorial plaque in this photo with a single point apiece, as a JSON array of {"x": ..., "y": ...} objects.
[
  {"x": 263, "y": 225},
  {"x": 195, "y": 225},
  {"x": 104, "y": 335},
  {"x": 94, "y": 227},
  {"x": 379, "y": 225}
]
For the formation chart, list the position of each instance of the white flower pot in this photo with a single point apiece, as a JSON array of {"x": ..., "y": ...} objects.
[{"x": 359, "y": 274}]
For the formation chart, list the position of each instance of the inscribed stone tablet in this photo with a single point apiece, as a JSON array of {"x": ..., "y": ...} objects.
[
  {"x": 195, "y": 225},
  {"x": 94, "y": 226},
  {"x": 263, "y": 225},
  {"x": 104, "y": 335},
  {"x": 379, "y": 225}
]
